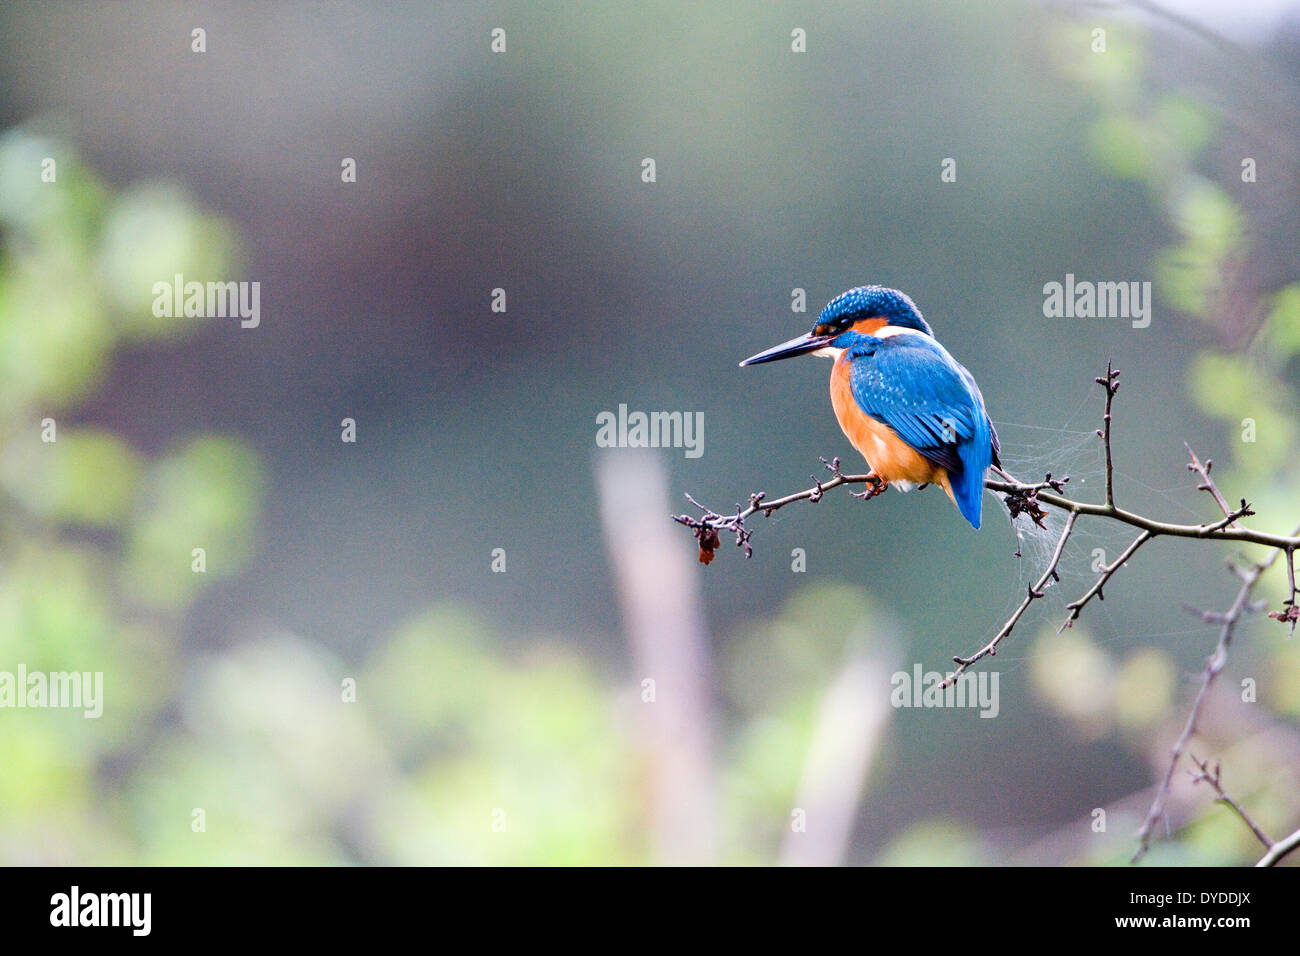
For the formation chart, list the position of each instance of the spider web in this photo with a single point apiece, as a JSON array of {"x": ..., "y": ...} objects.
[{"x": 1073, "y": 449}]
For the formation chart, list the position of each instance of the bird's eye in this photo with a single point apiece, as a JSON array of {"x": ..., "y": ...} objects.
[{"x": 828, "y": 328}]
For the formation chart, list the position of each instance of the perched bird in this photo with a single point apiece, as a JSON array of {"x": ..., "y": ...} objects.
[{"x": 913, "y": 412}]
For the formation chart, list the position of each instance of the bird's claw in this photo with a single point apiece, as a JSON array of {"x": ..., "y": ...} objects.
[{"x": 878, "y": 486}]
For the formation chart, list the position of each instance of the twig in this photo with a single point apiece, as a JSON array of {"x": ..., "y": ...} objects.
[
  {"x": 1280, "y": 849},
  {"x": 1205, "y": 775},
  {"x": 1107, "y": 572},
  {"x": 1013, "y": 489},
  {"x": 1222, "y": 530},
  {"x": 707, "y": 526},
  {"x": 1207, "y": 483},
  {"x": 1037, "y": 591},
  {"x": 1217, "y": 530},
  {"x": 1227, "y": 622},
  {"x": 1291, "y": 606},
  {"x": 1111, "y": 384}
]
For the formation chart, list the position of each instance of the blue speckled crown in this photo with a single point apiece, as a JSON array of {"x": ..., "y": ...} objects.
[{"x": 869, "y": 301}]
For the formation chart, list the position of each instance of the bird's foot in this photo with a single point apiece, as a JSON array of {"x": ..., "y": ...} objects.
[{"x": 878, "y": 487}]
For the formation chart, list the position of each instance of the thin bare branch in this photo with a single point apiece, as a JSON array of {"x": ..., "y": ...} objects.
[
  {"x": 1037, "y": 591},
  {"x": 1225, "y": 529},
  {"x": 1227, "y": 622},
  {"x": 1111, "y": 384},
  {"x": 1291, "y": 606},
  {"x": 1204, "y": 774},
  {"x": 1107, "y": 572},
  {"x": 1202, "y": 468},
  {"x": 1280, "y": 849},
  {"x": 1217, "y": 530}
]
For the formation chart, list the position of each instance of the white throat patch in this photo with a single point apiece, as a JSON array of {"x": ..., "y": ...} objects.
[{"x": 889, "y": 331}]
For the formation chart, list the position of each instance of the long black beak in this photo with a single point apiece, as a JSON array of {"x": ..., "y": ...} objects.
[{"x": 800, "y": 346}]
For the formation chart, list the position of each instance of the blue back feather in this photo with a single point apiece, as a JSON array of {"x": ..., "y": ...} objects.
[{"x": 910, "y": 383}]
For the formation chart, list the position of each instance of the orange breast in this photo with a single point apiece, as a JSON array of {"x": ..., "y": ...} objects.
[{"x": 887, "y": 454}]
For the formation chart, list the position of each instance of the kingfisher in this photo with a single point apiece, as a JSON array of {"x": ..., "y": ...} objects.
[{"x": 912, "y": 411}]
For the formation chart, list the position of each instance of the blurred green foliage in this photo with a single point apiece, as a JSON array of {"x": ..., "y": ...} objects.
[{"x": 97, "y": 537}]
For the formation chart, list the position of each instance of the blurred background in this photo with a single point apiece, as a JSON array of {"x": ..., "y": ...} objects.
[{"x": 474, "y": 636}]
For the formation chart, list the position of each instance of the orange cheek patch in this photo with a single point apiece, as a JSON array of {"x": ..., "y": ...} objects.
[{"x": 868, "y": 326}]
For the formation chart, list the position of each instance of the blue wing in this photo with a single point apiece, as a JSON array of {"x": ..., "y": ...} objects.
[
  {"x": 979, "y": 397},
  {"x": 910, "y": 383}
]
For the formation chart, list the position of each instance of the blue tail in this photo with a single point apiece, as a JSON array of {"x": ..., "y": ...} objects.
[{"x": 976, "y": 454}]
